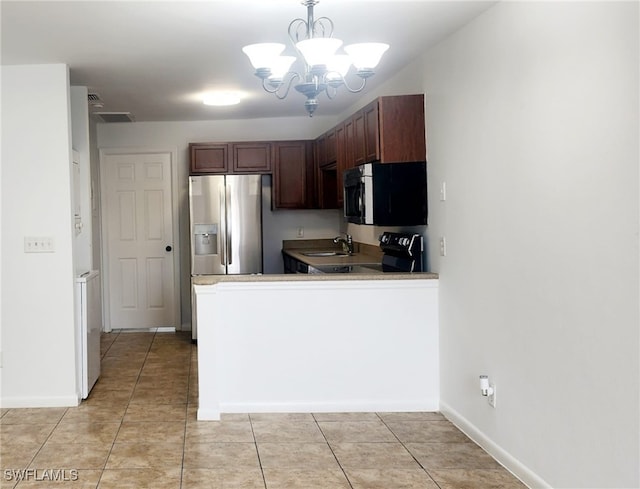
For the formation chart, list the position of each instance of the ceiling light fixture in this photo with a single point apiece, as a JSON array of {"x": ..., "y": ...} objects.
[
  {"x": 221, "y": 99},
  {"x": 324, "y": 70}
]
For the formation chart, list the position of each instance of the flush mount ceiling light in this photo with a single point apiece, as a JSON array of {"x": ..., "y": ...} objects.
[
  {"x": 324, "y": 70},
  {"x": 221, "y": 99}
]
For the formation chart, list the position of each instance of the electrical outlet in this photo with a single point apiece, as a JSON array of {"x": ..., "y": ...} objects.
[
  {"x": 300, "y": 232},
  {"x": 491, "y": 398},
  {"x": 443, "y": 246}
]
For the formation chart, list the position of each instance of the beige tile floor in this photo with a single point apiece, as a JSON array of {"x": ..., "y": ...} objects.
[{"x": 138, "y": 429}]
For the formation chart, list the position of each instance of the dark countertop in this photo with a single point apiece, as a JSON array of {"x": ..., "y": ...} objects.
[{"x": 364, "y": 255}]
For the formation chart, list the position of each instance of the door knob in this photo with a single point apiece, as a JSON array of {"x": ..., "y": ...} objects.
[{"x": 168, "y": 248}]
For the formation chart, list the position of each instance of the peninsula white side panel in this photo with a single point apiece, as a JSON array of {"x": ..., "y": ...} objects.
[{"x": 318, "y": 346}]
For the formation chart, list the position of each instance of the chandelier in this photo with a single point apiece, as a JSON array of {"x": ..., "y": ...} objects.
[{"x": 324, "y": 70}]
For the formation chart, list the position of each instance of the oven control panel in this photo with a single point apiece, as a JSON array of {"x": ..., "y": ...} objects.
[{"x": 401, "y": 244}]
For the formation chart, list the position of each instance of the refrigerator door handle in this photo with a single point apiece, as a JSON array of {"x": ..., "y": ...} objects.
[
  {"x": 223, "y": 225},
  {"x": 228, "y": 228}
]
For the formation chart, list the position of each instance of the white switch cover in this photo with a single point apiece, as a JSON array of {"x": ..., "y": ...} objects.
[
  {"x": 443, "y": 191},
  {"x": 42, "y": 244},
  {"x": 300, "y": 232},
  {"x": 443, "y": 246}
]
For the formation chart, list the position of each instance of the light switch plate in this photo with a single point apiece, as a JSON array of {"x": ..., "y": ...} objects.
[
  {"x": 443, "y": 246},
  {"x": 42, "y": 244},
  {"x": 443, "y": 191}
]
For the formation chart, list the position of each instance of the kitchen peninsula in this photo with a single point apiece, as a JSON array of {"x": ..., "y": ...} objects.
[{"x": 317, "y": 343}]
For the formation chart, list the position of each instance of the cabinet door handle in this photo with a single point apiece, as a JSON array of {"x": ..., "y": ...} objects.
[{"x": 168, "y": 248}]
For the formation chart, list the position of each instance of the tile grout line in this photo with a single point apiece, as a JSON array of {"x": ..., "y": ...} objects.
[
  {"x": 255, "y": 443},
  {"x": 409, "y": 451},
  {"x": 44, "y": 442},
  {"x": 57, "y": 424},
  {"x": 118, "y": 431},
  {"x": 186, "y": 417},
  {"x": 106, "y": 461},
  {"x": 332, "y": 452}
]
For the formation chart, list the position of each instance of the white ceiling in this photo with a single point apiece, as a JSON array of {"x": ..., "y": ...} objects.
[{"x": 154, "y": 58}]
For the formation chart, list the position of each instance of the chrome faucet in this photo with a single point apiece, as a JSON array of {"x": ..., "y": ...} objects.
[{"x": 346, "y": 241}]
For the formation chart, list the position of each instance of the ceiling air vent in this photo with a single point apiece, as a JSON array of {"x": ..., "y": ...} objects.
[
  {"x": 95, "y": 102},
  {"x": 114, "y": 116}
]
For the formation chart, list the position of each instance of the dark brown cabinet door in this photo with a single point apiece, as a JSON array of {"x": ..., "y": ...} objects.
[
  {"x": 331, "y": 147},
  {"x": 341, "y": 163},
  {"x": 251, "y": 157},
  {"x": 209, "y": 158},
  {"x": 401, "y": 128},
  {"x": 321, "y": 151},
  {"x": 329, "y": 181},
  {"x": 371, "y": 132},
  {"x": 292, "y": 176},
  {"x": 359, "y": 134}
]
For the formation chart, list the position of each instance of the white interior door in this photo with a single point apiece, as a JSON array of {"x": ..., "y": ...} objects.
[{"x": 139, "y": 240}]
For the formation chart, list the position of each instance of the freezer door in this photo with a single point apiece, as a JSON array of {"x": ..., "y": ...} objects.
[
  {"x": 244, "y": 224},
  {"x": 206, "y": 211}
]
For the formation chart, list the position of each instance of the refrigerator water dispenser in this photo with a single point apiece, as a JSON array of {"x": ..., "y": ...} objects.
[{"x": 205, "y": 239}]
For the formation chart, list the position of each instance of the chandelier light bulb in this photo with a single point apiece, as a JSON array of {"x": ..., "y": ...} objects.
[
  {"x": 319, "y": 50},
  {"x": 280, "y": 66},
  {"x": 338, "y": 66},
  {"x": 366, "y": 56},
  {"x": 262, "y": 55}
]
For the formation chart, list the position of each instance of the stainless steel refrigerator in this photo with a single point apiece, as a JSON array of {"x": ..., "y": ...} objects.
[{"x": 226, "y": 226}]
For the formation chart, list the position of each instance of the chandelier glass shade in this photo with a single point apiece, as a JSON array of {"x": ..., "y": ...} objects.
[{"x": 324, "y": 70}]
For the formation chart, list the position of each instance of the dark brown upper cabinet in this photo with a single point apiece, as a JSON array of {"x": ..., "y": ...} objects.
[
  {"x": 249, "y": 157},
  {"x": 293, "y": 175},
  {"x": 209, "y": 158},
  {"x": 400, "y": 130}
]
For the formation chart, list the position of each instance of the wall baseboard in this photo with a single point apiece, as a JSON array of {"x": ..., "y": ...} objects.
[
  {"x": 208, "y": 414},
  {"x": 39, "y": 402},
  {"x": 356, "y": 406},
  {"x": 161, "y": 329},
  {"x": 508, "y": 461},
  {"x": 430, "y": 405}
]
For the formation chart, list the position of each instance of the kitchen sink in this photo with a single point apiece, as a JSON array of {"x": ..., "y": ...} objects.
[
  {"x": 364, "y": 268},
  {"x": 319, "y": 254}
]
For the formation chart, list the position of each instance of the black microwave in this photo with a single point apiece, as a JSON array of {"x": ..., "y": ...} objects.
[{"x": 386, "y": 194}]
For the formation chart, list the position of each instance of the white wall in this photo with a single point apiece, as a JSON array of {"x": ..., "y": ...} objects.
[
  {"x": 38, "y": 288},
  {"x": 176, "y": 136},
  {"x": 378, "y": 364},
  {"x": 532, "y": 121}
]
